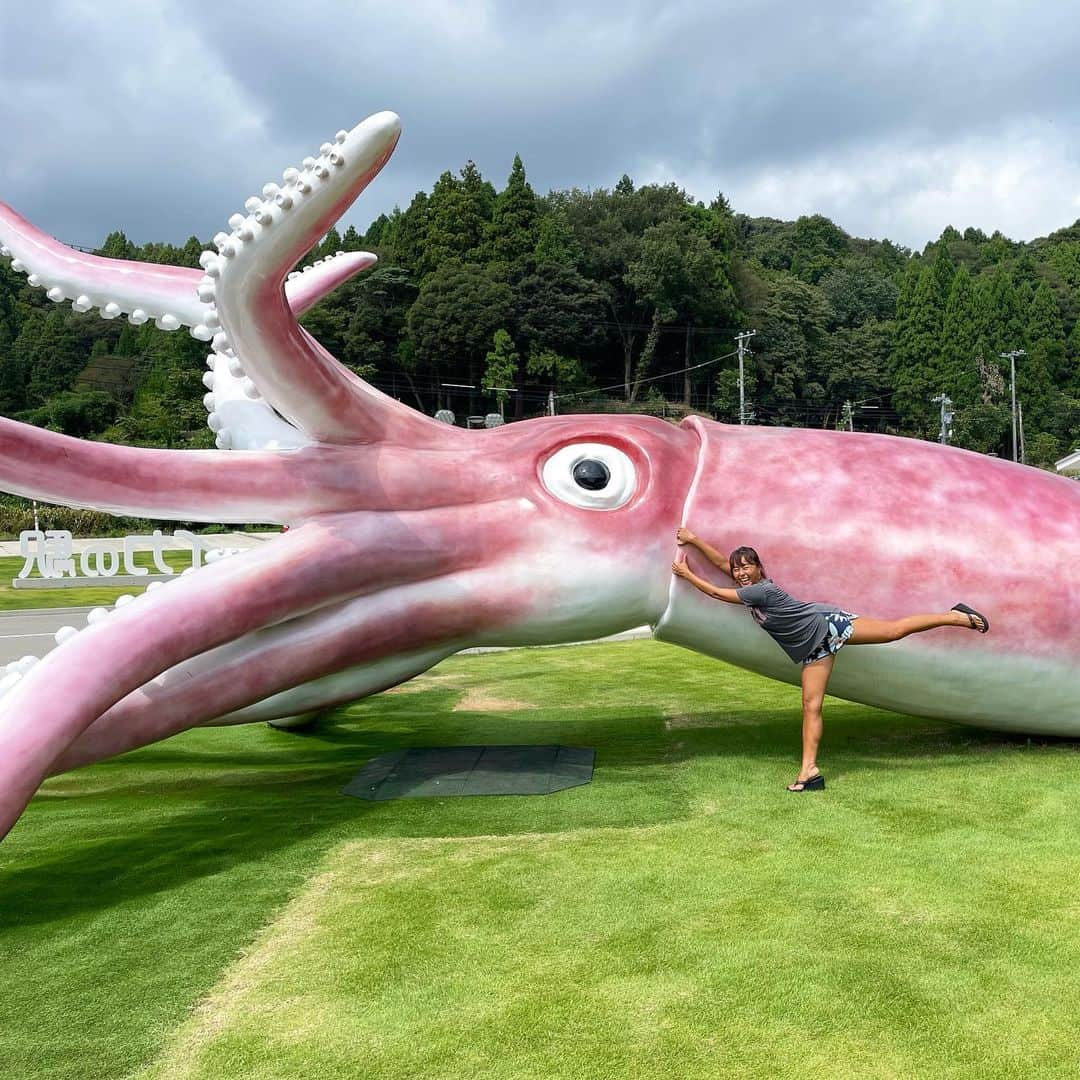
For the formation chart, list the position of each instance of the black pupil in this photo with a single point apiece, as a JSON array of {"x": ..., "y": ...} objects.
[{"x": 591, "y": 474}]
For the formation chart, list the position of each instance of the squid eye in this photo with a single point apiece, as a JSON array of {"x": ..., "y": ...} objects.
[{"x": 593, "y": 476}]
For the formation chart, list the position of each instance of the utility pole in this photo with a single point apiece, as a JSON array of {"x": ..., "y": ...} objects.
[
  {"x": 686, "y": 364},
  {"x": 551, "y": 403},
  {"x": 741, "y": 339},
  {"x": 1011, "y": 357},
  {"x": 847, "y": 417},
  {"x": 946, "y": 417},
  {"x": 1020, "y": 417}
]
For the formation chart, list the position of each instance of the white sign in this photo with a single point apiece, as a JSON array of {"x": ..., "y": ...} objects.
[{"x": 50, "y": 553}]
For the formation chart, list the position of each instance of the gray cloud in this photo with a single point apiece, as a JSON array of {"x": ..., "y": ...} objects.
[{"x": 161, "y": 118}]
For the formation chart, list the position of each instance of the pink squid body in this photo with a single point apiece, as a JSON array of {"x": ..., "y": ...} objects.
[{"x": 886, "y": 527}]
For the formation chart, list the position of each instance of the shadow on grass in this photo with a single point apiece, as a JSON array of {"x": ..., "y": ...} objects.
[
  {"x": 153, "y": 819},
  {"x": 108, "y": 865},
  {"x": 863, "y": 734},
  {"x": 163, "y": 816}
]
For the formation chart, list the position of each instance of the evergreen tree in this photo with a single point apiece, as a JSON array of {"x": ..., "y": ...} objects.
[
  {"x": 501, "y": 366},
  {"x": 958, "y": 370},
  {"x": 1072, "y": 350},
  {"x": 512, "y": 235},
  {"x": 328, "y": 323},
  {"x": 917, "y": 357},
  {"x": 118, "y": 246},
  {"x": 329, "y": 246},
  {"x": 12, "y": 378},
  {"x": 189, "y": 254},
  {"x": 944, "y": 268},
  {"x": 720, "y": 228},
  {"x": 459, "y": 213},
  {"x": 1044, "y": 316},
  {"x": 404, "y": 236},
  {"x": 46, "y": 350},
  {"x": 996, "y": 251},
  {"x": 1042, "y": 374},
  {"x": 1000, "y": 323},
  {"x": 129, "y": 342},
  {"x": 1064, "y": 257},
  {"x": 12, "y": 374}
]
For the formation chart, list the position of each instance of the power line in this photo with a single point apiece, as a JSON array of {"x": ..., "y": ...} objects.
[
  {"x": 668, "y": 328},
  {"x": 798, "y": 407},
  {"x": 813, "y": 414},
  {"x": 819, "y": 408},
  {"x": 651, "y": 378},
  {"x": 825, "y": 405}
]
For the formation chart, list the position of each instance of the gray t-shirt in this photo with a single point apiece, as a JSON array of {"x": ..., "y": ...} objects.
[{"x": 798, "y": 628}]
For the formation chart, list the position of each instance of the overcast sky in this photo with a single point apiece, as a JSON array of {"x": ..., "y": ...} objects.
[{"x": 893, "y": 118}]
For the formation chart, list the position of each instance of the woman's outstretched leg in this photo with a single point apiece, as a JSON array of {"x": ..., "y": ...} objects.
[
  {"x": 879, "y": 631},
  {"x": 815, "y": 678}
]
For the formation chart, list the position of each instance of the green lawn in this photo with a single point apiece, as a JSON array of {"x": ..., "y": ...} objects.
[
  {"x": 12, "y": 599},
  {"x": 213, "y": 908}
]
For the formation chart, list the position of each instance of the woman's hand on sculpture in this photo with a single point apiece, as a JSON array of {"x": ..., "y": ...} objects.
[{"x": 680, "y": 569}]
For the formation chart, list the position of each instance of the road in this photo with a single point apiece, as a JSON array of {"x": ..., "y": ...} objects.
[{"x": 30, "y": 633}]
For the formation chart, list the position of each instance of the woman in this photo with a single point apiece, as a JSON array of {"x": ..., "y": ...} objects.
[{"x": 811, "y": 634}]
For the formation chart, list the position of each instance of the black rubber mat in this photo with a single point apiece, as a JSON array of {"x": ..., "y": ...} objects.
[{"x": 430, "y": 772}]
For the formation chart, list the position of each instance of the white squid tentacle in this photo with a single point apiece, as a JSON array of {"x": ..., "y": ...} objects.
[
  {"x": 286, "y": 366},
  {"x": 143, "y": 291},
  {"x": 174, "y": 297}
]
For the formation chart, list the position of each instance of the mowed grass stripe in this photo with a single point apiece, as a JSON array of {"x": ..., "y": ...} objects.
[{"x": 624, "y": 953}]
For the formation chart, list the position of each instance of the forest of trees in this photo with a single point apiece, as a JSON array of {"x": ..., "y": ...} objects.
[{"x": 604, "y": 297}]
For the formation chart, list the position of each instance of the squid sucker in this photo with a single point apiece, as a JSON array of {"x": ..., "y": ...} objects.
[{"x": 410, "y": 540}]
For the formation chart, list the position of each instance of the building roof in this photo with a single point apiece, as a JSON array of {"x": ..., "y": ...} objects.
[{"x": 1069, "y": 463}]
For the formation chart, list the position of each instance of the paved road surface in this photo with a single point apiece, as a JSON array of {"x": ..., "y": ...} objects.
[{"x": 30, "y": 633}]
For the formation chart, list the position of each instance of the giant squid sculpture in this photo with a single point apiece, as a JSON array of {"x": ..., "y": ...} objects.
[{"x": 410, "y": 539}]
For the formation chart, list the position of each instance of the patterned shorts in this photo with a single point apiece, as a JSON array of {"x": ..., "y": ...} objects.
[{"x": 839, "y": 629}]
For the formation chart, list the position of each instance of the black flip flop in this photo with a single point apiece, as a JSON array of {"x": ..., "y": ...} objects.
[
  {"x": 969, "y": 612},
  {"x": 815, "y": 783}
]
